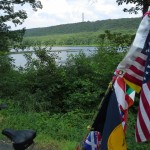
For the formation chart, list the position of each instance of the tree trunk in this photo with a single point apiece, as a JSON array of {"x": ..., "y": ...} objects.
[{"x": 146, "y": 4}]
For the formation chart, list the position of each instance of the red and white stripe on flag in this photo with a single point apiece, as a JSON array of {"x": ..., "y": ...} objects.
[
  {"x": 135, "y": 71},
  {"x": 143, "y": 119}
]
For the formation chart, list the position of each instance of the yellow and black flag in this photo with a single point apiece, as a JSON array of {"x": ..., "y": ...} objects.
[
  {"x": 108, "y": 126},
  {"x": 113, "y": 137}
]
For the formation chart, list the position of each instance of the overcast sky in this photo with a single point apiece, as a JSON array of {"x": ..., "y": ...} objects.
[{"x": 56, "y": 12}]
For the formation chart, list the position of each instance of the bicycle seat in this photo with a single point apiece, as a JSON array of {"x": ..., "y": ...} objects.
[{"x": 20, "y": 137}]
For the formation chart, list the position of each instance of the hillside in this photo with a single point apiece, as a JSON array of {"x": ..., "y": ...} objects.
[{"x": 124, "y": 24}]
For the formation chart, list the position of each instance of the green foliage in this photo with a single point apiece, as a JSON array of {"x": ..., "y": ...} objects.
[
  {"x": 42, "y": 85},
  {"x": 10, "y": 39},
  {"x": 57, "y": 126},
  {"x": 67, "y": 39},
  {"x": 116, "y": 39},
  {"x": 7, "y": 74},
  {"x": 135, "y": 9},
  {"x": 86, "y": 27},
  {"x": 87, "y": 38},
  {"x": 8, "y": 13},
  {"x": 89, "y": 77},
  {"x": 139, "y": 5},
  {"x": 75, "y": 34}
]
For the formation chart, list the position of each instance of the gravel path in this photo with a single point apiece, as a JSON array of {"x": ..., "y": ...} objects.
[{"x": 5, "y": 146}]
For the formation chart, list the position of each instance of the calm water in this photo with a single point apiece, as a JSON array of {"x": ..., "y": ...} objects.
[{"x": 61, "y": 52}]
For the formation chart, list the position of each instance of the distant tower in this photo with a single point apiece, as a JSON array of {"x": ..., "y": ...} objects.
[{"x": 82, "y": 17}]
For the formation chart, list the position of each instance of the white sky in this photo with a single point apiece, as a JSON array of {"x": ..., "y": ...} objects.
[{"x": 56, "y": 12}]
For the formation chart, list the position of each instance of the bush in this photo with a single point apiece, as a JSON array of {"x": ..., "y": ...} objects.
[{"x": 44, "y": 86}]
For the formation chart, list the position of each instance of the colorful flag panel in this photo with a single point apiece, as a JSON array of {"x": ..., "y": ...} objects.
[
  {"x": 93, "y": 141},
  {"x": 113, "y": 136},
  {"x": 125, "y": 98},
  {"x": 143, "y": 118}
]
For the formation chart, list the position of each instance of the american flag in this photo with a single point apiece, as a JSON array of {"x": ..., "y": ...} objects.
[
  {"x": 135, "y": 66},
  {"x": 135, "y": 72},
  {"x": 143, "y": 119}
]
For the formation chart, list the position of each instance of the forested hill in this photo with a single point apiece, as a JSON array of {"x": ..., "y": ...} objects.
[{"x": 97, "y": 26}]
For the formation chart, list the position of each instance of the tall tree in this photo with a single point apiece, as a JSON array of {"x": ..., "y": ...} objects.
[
  {"x": 139, "y": 5},
  {"x": 9, "y": 13}
]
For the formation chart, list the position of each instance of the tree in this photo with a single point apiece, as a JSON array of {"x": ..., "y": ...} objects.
[
  {"x": 9, "y": 13},
  {"x": 139, "y": 5}
]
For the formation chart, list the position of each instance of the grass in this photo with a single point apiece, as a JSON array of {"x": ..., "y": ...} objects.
[
  {"x": 60, "y": 131},
  {"x": 57, "y": 132},
  {"x": 47, "y": 143}
]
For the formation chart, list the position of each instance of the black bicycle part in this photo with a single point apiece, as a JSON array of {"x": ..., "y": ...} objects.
[
  {"x": 21, "y": 139},
  {"x": 3, "y": 106}
]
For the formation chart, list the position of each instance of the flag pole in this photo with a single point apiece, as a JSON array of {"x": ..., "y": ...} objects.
[{"x": 89, "y": 127}]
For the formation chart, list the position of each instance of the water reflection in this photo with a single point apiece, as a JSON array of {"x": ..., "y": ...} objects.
[{"x": 61, "y": 52}]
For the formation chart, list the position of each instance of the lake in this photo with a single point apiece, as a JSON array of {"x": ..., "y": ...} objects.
[{"x": 61, "y": 52}]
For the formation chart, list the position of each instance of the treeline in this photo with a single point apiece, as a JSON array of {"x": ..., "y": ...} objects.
[
  {"x": 88, "y": 38},
  {"x": 68, "y": 39},
  {"x": 124, "y": 24}
]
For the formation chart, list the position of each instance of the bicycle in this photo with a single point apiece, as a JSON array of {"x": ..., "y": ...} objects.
[{"x": 20, "y": 139}]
